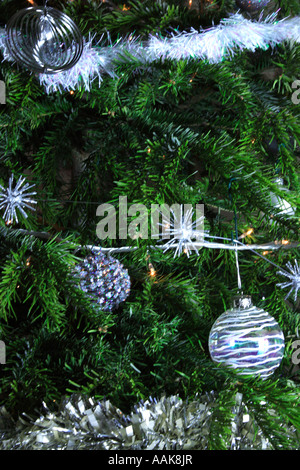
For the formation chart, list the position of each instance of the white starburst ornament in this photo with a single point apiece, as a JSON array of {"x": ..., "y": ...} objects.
[
  {"x": 183, "y": 230},
  {"x": 294, "y": 279},
  {"x": 15, "y": 199}
]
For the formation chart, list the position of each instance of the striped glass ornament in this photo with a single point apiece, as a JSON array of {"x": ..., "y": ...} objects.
[{"x": 248, "y": 339}]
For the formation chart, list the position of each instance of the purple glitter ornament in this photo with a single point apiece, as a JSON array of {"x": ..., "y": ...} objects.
[
  {"x": 252, "y": 6},
  {"x": 104, "y": 279}
]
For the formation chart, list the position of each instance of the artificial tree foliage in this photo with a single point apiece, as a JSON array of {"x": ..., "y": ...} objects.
[{"x": 185, "y": 132}]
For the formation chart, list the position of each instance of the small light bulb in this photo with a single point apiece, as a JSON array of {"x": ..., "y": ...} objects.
[
  {"x": 152, "y": 271},
  {"x": 247, "y": 233}
]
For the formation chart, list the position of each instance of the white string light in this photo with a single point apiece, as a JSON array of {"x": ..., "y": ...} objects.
[
  {"x": 182, "y": 227},
  {"x": 236, "y": 245}
]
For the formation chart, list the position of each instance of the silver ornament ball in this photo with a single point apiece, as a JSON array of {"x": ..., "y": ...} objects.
[
  {"x": 252, "y": 6},
  {"x": 247, "y": 339},
  {"x": 43, "y": 40}
]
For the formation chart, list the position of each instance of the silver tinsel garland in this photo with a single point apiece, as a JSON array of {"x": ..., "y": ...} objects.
[{"x": 170, "y": 423}]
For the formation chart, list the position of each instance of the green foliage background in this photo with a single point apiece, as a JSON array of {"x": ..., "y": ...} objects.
[{"x": 186, "y": 132}]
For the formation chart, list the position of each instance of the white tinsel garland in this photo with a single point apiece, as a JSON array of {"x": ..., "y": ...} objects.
[
  {"x": 84, "y": 72},
  {"x": 232, "y": 35}
]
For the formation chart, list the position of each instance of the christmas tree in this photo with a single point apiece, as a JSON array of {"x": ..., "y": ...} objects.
[{"x": 112, "y": 113}]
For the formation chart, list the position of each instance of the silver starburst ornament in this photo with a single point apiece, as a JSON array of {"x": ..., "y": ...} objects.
[
  {"x": 294, "y": 279},
  {"x": 16, "y": 199},
  {"x": 183, "y": 229}
]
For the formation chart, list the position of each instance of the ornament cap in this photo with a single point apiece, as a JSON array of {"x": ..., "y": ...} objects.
[
  {"x": 278, "y": 180},
  {"x": 242, "y": 301}
]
